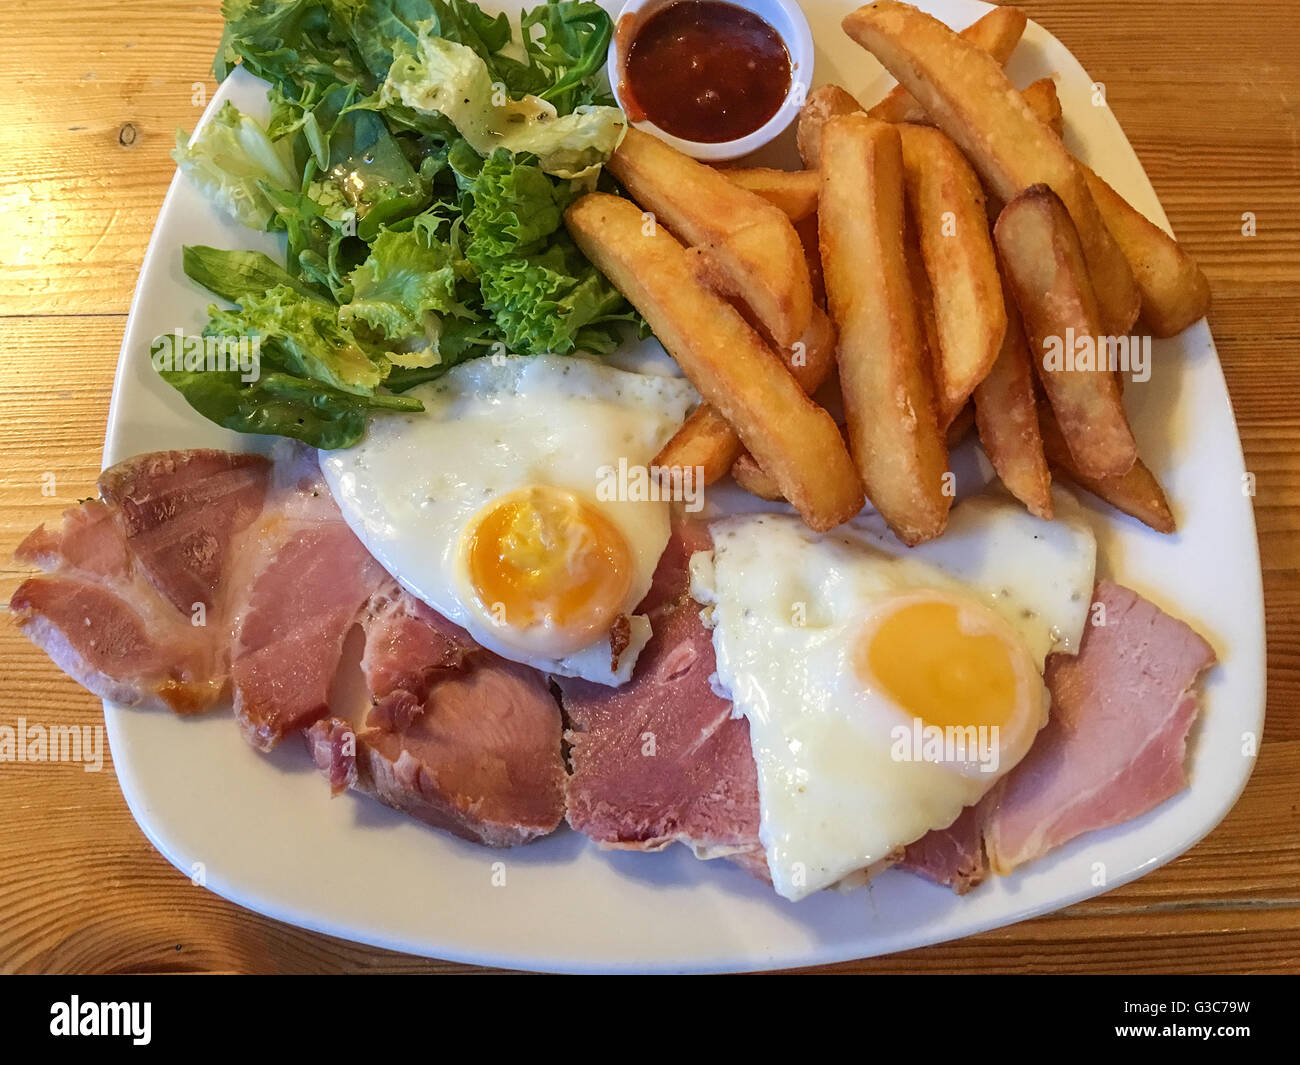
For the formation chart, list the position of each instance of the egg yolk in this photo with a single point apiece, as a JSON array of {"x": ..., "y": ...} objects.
[
  {"x": 544, "y": 556},
  {"x": 940, "y": 664}
]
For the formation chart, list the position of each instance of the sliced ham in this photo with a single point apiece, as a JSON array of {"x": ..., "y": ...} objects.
[
  {"x": 200, "y": 568},
  {"x": 179, "y": 511},
  {"x": 479, "y": 755},
  {"x": 952, "y": 857},
  {"x": 480, "y": 758},
  {"x": 455, "y": 736},
  {"x": 1114, "y": 745},
  {"x": 661, "y": 759},
  {"x": 408, "y": 644},
  {"x": 133, "y": 604},
  {"x": 304, "y": 582}
]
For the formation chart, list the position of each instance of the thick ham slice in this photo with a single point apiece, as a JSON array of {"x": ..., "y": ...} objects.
[
  {"x": 260, "y": 557},
  {"x": 133, "y": 607},
  {"x": 304, "y": 581},
  {"x": 455, "y": 736},
  {"x": 481, "y": 758},
  {"x": 477, "y": 752},
  {"x": 662, "y": 760},
  {"x": 952, "y": 857},
  {"x": 408, "y": 644},
  {"x": 179, "y": 511},
  {"x": 1114, "y": 745}
]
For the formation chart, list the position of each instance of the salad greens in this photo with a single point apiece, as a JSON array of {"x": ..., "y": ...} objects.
[{"x": 418, "y": 157}]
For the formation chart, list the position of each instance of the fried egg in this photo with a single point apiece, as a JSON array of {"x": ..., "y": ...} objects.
[
  {"x": 886, "y": 688},
  {"x": 500, "y": 508}
]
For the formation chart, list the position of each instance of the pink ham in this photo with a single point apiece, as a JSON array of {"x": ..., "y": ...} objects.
[
  {"x": 481, "y": 758},
  {"x": 455, "y": 736},
  {"x": 1115, "y": 743},
  {"x": 662, "y": 760},
  {"x": 179, "y": 511},
  {"x": 133, "y": 607},
  {"x": 304, "y": 581},
  {"x": 952, "y": 857},
  {"x": 479, "y": 755},
  {"x": 408, "y": 644}
]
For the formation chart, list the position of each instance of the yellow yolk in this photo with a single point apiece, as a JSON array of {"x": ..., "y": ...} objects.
[
  {"x": 543, "y": 556},
  {"x": 944, "y": 665}
]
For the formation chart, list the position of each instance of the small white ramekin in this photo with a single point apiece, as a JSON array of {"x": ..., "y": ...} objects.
[{"x": 784, "y": 16}]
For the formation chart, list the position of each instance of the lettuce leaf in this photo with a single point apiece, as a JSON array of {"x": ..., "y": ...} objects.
[
  {"x": 569, "y": 52},
  {"x": 296, "y": 45},
  {"x": 302, "y": 336},
  {"x": 439, "y": 77},
  {"x": 537, "y": 286},
  {"x": 237, "y": 275},
  {"x": 237, "y": 166},
  {"x": 404, "y": 290},
  {"x": 377, "y": 26},
  {"x": 282, "y": 405}
]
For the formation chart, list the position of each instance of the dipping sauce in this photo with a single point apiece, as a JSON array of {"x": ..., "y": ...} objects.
[{"x": 705, "y": 71}]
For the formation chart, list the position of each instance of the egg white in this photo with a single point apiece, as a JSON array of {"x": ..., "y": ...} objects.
[
  {"x": 787, "y": 606},
  {"x": 490, "y": 427}
]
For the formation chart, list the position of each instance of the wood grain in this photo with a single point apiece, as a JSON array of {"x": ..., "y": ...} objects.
[{"x": 1208, "y": 94}]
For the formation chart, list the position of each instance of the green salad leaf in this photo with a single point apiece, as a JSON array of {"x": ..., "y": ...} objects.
[
  {"x": 237, "y": 275},
  {"x": 303, "y": 336},
  {"x": 439, "y": 77},
  {"x": 569, "y": 49},
  {"x": 237, "y": 166},
  {"x": 284, "y": 405},
  {"x": 404, "y": 290},
  {"x": 537, "y": 286},
  {"x": 296, "y": 45}
]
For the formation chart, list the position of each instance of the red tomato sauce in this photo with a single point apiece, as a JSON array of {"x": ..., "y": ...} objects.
[{"x": 705, "y": 71}]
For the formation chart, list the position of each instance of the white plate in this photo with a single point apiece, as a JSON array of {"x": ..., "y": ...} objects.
[{"x": 264, "y": 832}]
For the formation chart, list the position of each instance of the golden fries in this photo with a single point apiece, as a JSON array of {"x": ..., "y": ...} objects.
[
  {"x": 967, "y": 95},
  {"x": 732, "y": 369},
  {"x": 706, "y": 441},
  {"x": 1006, "y": 415},
  {"x": 1046, "y": 272},
  {"x": 1043, "y": 101},
  {"x": 821, "y": 106},
  {"x": 812, "y": 254},
  {"x": 1136, "y": 493},
  {"x": 753, "y": 479},
  {"x": 997, "y": 33},
  {"x": 751, "y": 241},
  {"x": 706, "y": 438},
  {"x": 962, "y": 423},
  {"x": 923, "y": 299},
  {"x": 793, "y": 191},
  {"x": 893, "y": 431},
  {"x": 1174, "y": 291},
  {"x": 947, "y": 206}
]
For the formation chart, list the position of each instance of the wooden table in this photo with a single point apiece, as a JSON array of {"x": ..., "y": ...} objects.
[{"x": 1207, "y": 91}]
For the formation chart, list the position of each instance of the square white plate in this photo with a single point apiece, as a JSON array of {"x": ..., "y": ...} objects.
[{"x": 264, "y": 832}]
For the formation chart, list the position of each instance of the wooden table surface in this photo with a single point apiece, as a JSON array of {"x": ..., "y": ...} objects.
[{"x": 1206, "y": 89}]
